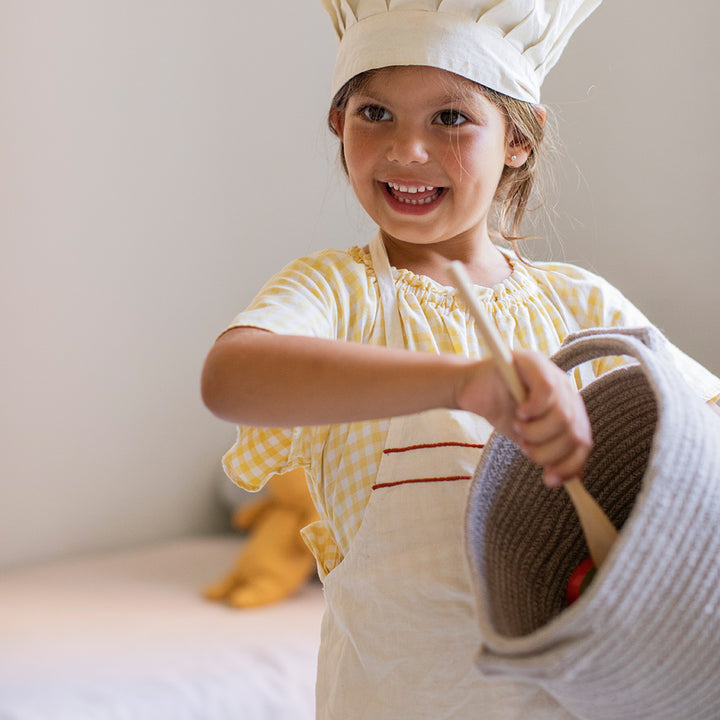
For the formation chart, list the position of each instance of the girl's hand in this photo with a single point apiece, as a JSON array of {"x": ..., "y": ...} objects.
[{"x": 551, "y": 426}]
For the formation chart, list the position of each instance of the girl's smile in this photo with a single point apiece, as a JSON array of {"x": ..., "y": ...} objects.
[{"x": 412, "y": 198}]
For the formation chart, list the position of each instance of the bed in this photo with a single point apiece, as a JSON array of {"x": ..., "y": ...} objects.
[{"x": 127, "y": 636}]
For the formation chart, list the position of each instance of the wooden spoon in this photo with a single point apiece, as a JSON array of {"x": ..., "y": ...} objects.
[{"x": 599, "y": 532}]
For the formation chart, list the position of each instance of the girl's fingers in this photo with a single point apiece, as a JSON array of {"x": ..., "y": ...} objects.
[
  {"x": 541, "y": 381},
  {"x": 538, "y": 431},
  {"x": 562, "y": 449},
  {"x": 552, "y": 393},
  {"x": 571, "y": 424},
  {"x": 551, "y": 452},
  {"x": 552, "y": 426},
  {"x": 568, "y": 468},
  {"x": 562, "y": 459}
]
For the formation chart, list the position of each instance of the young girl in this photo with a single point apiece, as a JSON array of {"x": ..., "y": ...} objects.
[{"x": 363, "y": 367}]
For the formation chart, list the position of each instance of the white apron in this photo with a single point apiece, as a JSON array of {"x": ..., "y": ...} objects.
[{"x": 400, "y": 633}]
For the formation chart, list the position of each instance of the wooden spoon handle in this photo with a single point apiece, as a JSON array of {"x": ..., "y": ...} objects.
[{"x": 599, "y": 532}]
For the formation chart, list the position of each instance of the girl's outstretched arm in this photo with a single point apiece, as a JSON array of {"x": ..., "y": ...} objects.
[{"x": 254, "y": 377}]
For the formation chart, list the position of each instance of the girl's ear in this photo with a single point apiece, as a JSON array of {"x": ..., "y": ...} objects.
[
  {"x": 337, "y": 120},
  {"x": 519, "y": 149},
  {"x": 517, "y": 152}
]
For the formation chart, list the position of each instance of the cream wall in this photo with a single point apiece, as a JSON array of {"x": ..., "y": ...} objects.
[
  {"x": 161, "y": 159},
  {"x": 638, "y": 107}
]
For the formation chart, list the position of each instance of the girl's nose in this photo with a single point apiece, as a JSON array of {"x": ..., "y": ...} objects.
[{"x": 406, "y": 147}]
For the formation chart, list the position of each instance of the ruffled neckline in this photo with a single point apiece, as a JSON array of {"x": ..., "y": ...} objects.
[{"x": 513, "y": 290}]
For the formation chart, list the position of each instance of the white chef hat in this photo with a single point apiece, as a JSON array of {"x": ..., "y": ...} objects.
[{"x": 506, "y": 45}]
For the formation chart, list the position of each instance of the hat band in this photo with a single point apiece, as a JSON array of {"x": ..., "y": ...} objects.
[{"x": 437, "y": 39}]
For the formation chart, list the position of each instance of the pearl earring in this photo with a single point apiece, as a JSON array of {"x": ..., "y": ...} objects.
[{"x": 513, "y": 158}]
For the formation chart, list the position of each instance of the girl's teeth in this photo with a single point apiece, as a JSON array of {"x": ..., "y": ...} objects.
[
  {"x": 405, "y": 189},
  {"x": 413, "y": 191},
  {"x": 422, "y": 201}
]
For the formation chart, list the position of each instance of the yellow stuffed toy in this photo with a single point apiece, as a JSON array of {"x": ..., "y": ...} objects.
[{"x": 275, "y": 562}]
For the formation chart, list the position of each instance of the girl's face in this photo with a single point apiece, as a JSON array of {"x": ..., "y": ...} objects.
[{"x": 425, "y": 151}]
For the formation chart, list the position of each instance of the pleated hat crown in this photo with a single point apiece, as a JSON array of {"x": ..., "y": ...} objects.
[{"x": 506, "y": 45}]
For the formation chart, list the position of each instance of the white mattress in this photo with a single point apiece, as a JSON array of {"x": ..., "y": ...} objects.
[{"x": 127, "y": 636}]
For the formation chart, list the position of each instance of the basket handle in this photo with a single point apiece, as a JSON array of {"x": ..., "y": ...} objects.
[{"x": 644, "y": 344}]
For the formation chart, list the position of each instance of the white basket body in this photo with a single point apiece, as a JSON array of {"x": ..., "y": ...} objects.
[{"x": 643, "y": 642}]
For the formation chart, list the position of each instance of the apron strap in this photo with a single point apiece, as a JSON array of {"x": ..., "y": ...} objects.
[
  {"x": 393, "y": 328},
  {"x": 388, "y": 293},
  {"x": 402, "y": 429}
]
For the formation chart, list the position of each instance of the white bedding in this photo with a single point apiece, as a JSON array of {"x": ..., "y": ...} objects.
[{"x": 127, "y": 636}]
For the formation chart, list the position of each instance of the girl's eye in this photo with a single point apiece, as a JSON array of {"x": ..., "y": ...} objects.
[
  {"x": 450, "y": 118},
  {"x": 375, "y": 113}
]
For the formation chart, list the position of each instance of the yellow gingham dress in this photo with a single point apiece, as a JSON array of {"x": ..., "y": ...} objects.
[{"x": 334, "y": 294}]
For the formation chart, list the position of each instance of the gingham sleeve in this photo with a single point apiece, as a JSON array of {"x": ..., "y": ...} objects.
[
  {"x": 597, "y": 303},
  {"x": 622, "y": 313},
  {"x": 313, "y": 296},
  {"x": 260, "y": 453}
]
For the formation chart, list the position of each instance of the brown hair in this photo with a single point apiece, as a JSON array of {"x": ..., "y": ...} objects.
[{"x": 525, "y": 127}]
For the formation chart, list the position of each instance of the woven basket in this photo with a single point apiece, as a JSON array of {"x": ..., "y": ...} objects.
[{"x": 644, "y": 640}]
